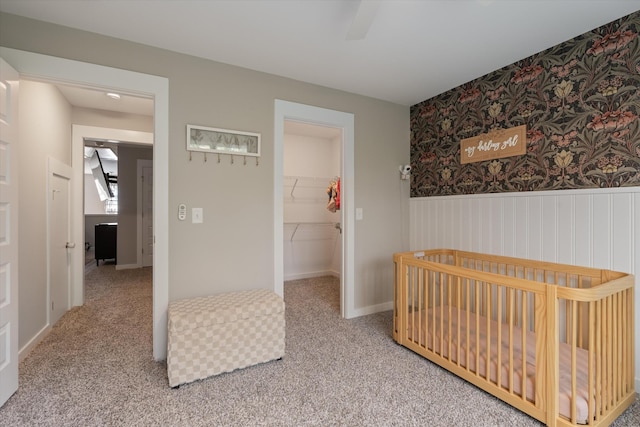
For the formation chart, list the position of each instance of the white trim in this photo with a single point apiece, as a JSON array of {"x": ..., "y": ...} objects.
[
  {"x": 33, "y": 342},
  {"x": 285, "y": 110},
  {"x": 617, "y": 190},
  {"x": 126, "y": 266},
  {"x": 49, "y": 68},
  {"x": 140, "y": 164},
  {"x": 373, "y": 309},
  {"x": 312, "y": 275}
]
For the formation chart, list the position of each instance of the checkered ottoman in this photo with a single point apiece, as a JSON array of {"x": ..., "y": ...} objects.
[{"x": 220, "y": 333}]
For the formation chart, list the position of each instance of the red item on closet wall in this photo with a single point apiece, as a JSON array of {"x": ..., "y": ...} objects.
[{"x": 333, "y": 191}]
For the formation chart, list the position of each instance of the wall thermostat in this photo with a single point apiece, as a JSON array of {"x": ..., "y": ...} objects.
[{"x": 182, "y": 211}]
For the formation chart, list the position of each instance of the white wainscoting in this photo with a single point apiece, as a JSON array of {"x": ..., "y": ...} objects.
[{"x": 595, "y": 228}]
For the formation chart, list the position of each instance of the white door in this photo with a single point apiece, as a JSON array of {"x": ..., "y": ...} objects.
[
  {"x": 60, "y": 242},
  {"x": 9, "y": 82},
  {"x": 146, "y": 196}
]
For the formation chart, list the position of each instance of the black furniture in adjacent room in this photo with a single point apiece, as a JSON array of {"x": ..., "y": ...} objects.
[{"x": 106, "y": 235}]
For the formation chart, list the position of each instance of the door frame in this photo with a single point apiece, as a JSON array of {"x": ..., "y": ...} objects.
[
  {"x": 140, "y": 164},
  {"x": 35, "y": 66},
  {"x": 286, "y": 110},
  {"x": 57, "y": 168},
  {"x": 78, "y": 135}
]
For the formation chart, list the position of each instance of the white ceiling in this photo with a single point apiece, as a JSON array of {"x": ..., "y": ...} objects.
[
  {"x": 91, "y": 98},
  {"x": 412, "y": 51}
]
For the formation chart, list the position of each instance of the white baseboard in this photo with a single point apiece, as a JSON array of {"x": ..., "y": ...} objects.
[
  {"x": 637, "y": 385},
  {"x": 127, "y": 266},
  {"x": 33, "y": 342},
  {"x": 311, "y": 275},
  {"x": 364, "y": 311}
]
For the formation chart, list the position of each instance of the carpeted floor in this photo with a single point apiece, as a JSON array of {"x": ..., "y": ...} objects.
[{"x": 95, "y": 368}]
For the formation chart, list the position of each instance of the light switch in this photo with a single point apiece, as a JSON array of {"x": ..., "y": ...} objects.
[
  {"x": 196, "y": 216},
  {"x": 358, "y": 214}
]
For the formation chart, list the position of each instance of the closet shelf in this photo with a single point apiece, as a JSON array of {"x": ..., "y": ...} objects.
[
  {"x": 305, "y": 181},
  {"x": 318, "y": 179},
  {"x": 311, "y": 223}
]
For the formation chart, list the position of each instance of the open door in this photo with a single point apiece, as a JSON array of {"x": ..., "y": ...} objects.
[
  {"x": 9, "y": 82},
  {"x": 59, "y": 252}
]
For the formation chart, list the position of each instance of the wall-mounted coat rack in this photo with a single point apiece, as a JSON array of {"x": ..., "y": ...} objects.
[
  {"x": 232, "y": 156},
  {"x": 223, "y": 142}
]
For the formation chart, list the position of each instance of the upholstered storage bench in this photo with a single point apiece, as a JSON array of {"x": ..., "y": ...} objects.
[{"x": 220, "y": 333}]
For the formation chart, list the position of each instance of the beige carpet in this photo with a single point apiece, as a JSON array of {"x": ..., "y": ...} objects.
[{"x": 95, "y": 368}]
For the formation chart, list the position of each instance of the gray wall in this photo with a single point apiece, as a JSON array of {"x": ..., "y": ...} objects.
[
  {"x": 128, "y": 201},
  {"x": 233, "y": 249}
]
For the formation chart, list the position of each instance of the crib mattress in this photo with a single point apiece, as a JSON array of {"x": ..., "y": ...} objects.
[{"x": 417, "y": 328}]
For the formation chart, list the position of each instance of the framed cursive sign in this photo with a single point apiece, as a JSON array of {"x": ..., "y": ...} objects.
[{"x": 494, "y": 145}]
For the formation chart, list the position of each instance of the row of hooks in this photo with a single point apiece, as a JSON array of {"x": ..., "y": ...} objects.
[{"x": 232, "y": 159}]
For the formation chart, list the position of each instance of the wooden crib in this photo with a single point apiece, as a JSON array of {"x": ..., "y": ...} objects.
[{"x": 555, "y": 341}]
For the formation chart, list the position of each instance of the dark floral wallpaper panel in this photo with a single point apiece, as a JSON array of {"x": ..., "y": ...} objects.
[{"x": 580, "y": 101}]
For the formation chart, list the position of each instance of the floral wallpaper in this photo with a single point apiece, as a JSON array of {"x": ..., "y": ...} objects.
[{"x": 580, "y": 101}]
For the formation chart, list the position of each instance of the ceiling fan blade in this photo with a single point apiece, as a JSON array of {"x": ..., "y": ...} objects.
[{"x": 366, "y": 13}]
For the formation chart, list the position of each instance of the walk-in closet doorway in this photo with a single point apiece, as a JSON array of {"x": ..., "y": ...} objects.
[
  {"x": 312, "y": 238},
  {"x": 336, "y": 231}
]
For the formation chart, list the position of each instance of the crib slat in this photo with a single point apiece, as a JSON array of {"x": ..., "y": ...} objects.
[
  {"x": 542, "y": 313},
  {"x": 621, "y": 347},
  {"x": 459, "y": 322},
  {"x": 614, "y": 350},
  {"x": 477, "y": 344},
  {"x": 467, "y": 307},
  {"x": 487, "y": 304},
  {"x": 411, "y": 300},
  {"x": 510, "y": 296},
  {"x": 449, "y": 331},
  {"x": 591, "y": 364},
  {"x": 433, "y": 311},
  {"x": 499, "y": 341},
  {"x": 603, "y": 355},
  {"x": 403, "y": 277},
  {"x": 629, "y": 340},
  {"x": 441, "y": 310},
  {"x": 598, "y": 351},
  {"x": 525, "y": 328},
  {"x": 610, "y": 361},
  {"x": 548, "y": 381},
  {"x": 419, "y": 285},
  {"x": 574, "y": 370}
]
